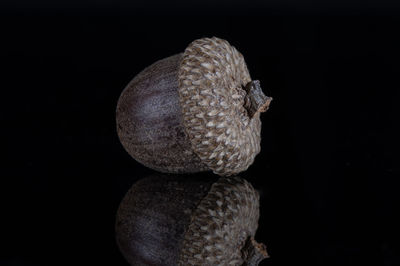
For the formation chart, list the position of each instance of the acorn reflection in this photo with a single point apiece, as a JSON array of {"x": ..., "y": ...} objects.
[{"x": 190, "y": 220}]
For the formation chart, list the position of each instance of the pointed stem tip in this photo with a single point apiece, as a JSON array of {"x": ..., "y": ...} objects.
[
  {"x": 255, "y": 100},
  {"x": 253, "y": 253}
]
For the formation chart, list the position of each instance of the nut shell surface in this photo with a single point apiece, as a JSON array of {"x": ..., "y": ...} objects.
[{"x": 149, "y": 120}]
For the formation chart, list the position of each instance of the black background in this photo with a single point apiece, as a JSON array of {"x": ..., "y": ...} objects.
[{"x": 329, "y": 167}]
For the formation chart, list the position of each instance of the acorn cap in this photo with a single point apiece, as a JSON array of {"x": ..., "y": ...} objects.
[{"x": 214, "y": 90}]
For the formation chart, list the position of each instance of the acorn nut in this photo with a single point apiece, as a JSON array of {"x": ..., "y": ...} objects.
[
  {"x": 176, "y": 220},
  {"x": 194, "y": 111}
]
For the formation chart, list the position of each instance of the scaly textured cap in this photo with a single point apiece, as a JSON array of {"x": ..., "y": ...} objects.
[
  {"x": 221, "y": 224},
  {"x": 211, "y": 77}
]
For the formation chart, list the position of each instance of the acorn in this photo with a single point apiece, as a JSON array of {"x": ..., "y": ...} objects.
[
  {"x": 177, "y": 220},
  {"x": 195, "y": 111}
]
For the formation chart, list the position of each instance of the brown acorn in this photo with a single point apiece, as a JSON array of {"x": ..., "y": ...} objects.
[
  {"x": 177, "y": 220},
  {"x": 194, "y": 111}
]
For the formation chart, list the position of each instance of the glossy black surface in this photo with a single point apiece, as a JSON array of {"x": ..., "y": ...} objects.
[{"x": 328, "y": 172}]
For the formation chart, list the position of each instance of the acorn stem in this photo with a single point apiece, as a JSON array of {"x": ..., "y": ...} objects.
[
  {"x": 255, "y": 100},
  {"x": 253, "y": 253}
]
